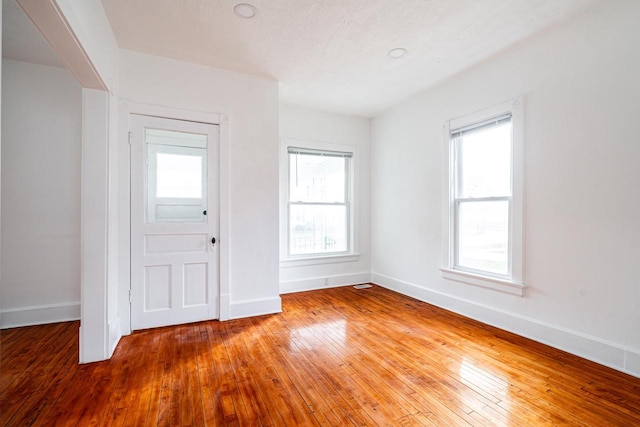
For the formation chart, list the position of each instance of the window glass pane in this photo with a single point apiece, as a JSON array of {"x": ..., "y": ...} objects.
[
  {"x": 484, "y": 162},
  {"x": 317, "y": 229},
  {"x": 315, "y": 178},
  {"x": 179, "y": 176},
  {"x": 483, "y": 236},
  {"x": 176, "y": 176}
]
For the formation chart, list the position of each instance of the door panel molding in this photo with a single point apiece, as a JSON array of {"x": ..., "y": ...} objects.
[
  {"x": 126, "y": 107},
  {"x": 161, "y": 252}
]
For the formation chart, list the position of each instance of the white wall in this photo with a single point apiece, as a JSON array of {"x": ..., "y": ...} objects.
[
  {"x": 1, "y": 60},
  {"x": 41, "y": 151},
  {"x": 308, "y": 125},
  {"x": 582, "y": 183},
  {"x": 80, "y": 33},
  {"x": 251, "y": 105}
]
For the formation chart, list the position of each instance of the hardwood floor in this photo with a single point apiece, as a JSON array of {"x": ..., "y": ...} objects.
[{"x": 334, "y": 357}]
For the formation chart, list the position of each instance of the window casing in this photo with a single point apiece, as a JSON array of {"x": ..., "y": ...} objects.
[
  {"x": 483, "y": 222},
  {"x": 319, "y": 207}
]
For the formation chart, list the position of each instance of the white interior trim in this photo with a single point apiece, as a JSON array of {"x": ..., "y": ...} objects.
[
  {"x": 318, "y": 260},
  {"x": 486, "y": 282},
  {"x": 514, "y": 285},
  {"x": 324, "y": 282},
  {"x": 224, "y": 215},
  {"x": 39, "y": 314},
  {"x": 166, "y": 112},
  {"x": 256, "y": 307},
  {"x": 613, "y": 355},
  {"x": 126, "y": 108},
  {"x": 53, "y": 25},
  {"x": 94, "y": 226},
  {"x": 115, "y": 333}
]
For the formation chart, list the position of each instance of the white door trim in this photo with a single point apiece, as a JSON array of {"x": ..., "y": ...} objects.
[{"x": 126, "y": 108}]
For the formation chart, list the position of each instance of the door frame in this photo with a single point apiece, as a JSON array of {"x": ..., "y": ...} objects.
[{"x": 126, "y": 109}]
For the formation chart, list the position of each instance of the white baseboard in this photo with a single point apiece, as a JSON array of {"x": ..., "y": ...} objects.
[
  {"x": 613, "y": 355},
  {"x": 225, "y": 304},
  {"x": 255, "y": 307},
  {"x": 39, "y": 314},
  {"x": 632, "y": 363},
  {"x": 115, "y": 333},
  {"x": 313, "y": 283}
]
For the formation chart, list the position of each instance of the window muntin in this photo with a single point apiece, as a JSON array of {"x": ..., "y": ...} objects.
[
  {"x": 482, "y": 197},
  {"x": 319, "y": 205}
]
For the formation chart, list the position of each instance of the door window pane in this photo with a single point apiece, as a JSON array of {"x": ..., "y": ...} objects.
[
  {"x": 317, "y": 229},
  {"x": 483, "y": 236},
  {"x": 179, "y": 176},
  {"x": 176, "y": 176}
]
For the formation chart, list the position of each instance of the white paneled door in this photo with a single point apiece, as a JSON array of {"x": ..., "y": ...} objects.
[{"x": 174, "y": 221}]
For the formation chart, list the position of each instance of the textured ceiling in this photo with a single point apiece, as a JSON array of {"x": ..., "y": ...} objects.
[
  {"x": 21, "y": 40},
  {"x": 332, "y": 54},
  {"x": 327, "y": 54}
]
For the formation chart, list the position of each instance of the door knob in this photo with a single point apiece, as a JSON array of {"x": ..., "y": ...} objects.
[{"x": 213, "y": 240}]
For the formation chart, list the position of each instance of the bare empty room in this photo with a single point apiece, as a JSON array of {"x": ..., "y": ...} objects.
[{"x": 305, "y": 212}]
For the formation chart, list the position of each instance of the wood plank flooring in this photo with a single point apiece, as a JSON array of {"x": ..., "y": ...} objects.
[{"x": 334, "y": 357}]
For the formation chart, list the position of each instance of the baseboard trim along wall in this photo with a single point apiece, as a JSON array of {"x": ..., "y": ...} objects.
[
  {"x": 314, "y": 283},
  {"x": 257, "y": 307},
  {"x": 592, "y": 348},
  {"x": 39, "y": 314},
  {"x": 115, "y": 333},
  {"x": 225, "y": 304}
]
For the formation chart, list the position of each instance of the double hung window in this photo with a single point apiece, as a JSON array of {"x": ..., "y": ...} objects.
[
  {"x": 482, "y": 196},
  {"x": 484, "y": 222},
  {"x": 319, "y": 205}
]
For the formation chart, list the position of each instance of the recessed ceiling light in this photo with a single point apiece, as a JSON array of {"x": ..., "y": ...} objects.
[
  {"x": 244, "y": 10},
  {"x": 397, "y": 52}
]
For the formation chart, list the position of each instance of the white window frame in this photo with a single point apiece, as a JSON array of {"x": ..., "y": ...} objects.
[
  {"x": 286, "y": 259},
  {"x": 513, "y": 282}
]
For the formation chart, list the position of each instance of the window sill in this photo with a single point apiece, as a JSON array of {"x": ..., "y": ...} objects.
[
  {"x": 500, "y": 285},
  {"x": 318, "y": 260}
]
